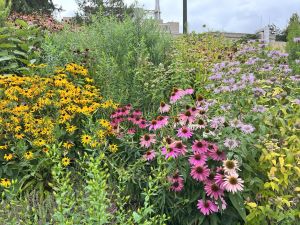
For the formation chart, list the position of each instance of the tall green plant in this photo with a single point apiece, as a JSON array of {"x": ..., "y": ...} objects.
[{"x": 4, "y": 11}]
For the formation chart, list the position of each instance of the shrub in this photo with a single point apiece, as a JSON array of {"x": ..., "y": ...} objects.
[{"x": 112, "y": 51}]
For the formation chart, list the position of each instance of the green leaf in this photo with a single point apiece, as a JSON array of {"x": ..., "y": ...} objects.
[
  {"x": 6, "y": 58},
  {"x": 238, "y": 203},
  {"x": 21, "y": 23},
  {"x": 137, "y": 217},
  {"x": 7, "y": 45}
]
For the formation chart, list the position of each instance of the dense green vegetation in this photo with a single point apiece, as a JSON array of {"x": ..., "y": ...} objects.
[{"x": 117, "y": 122}]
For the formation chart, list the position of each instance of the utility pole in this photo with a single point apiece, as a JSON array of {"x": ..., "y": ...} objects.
[
  {"x": 157, "y": 10},
  {"x": 185, "y": 30}
]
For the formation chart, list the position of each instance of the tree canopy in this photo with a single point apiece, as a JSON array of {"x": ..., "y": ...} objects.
[{"x": 29, "y": 6}]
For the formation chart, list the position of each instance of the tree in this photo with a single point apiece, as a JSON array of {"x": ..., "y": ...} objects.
[
  {"x": 115, "y": 8},
  {"x": 29, "y": 6},
  {"x": 4, "y": 11},
  {"x": 293, "y": 45}
]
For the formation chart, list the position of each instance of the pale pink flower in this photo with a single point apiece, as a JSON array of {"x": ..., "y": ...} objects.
[
  {"x": 247, "y": 128},
  {"x": 137, "y": 112},
  {"x": 147, "y": 139},
  {"x": 217, "y": 154},
  {"x": 131, "y": 131},
  {"x": 149, "y": 155},
  {"x": 164, "y": 107},
  {"x": 231, "y": 143},
  {"x": 230, "y": 166},
  {"x": 154, "y": 125},
  {"x": 162, "y": 121},
  {"x": 186, "y": 117},
  {"x": 233, "y": 183}
]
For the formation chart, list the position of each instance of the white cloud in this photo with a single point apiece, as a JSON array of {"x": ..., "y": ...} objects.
[{"x": 226, "y": 15}]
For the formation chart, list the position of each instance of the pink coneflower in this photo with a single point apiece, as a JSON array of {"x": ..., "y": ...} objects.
[
  {"x": 149, "y": 155},
  {"x": 136, "y": 120},
  {"x": 230, "y": 166},
  {"x": 131, "y": 118},
  {"x": 162, "y": 121},
  {"x": 213, "y": 190},
  {"x": 217, "y": 154},
  {"x": 200, "y": 146},
  {"x": 189, "y": 91},
  {"x": 212, "y": 147},
  {"x": 219, "y": 178},
  {"x": 137, "y": 112},
  {"x": 207, "y": 207},
  {"x": 198, "y": 159},
  {"x": 177, "y": 182},
  {"x": 186, "y": 117},
  {"x": 147, "y": 139},
  {"x": 231, "y": 143},
  {"x": 247, "y": 128},
  {"x": 170, "y": 152},
  {"x": 179, "y": 146},
  {"x": 131, "y": 131},
  {"x": 184, "y": 132},
  {"x": 233, "y": 183},
  {"x": 154, "y": 125},
  {"x": 176, "y": 95},
  {"x": 142, "y": 124},
  {"x": 163, "y": 108},
  {"x": 200, "y": 173}
]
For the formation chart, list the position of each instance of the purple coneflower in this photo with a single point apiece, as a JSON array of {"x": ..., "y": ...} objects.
[
  {"x": 207, "y": 207},
  {"x": 200, "y": 173},
  {"x": 170, "y": 152},
  {"x": 213, "y": 190},
  {"x": 179, "y": 146},
  {"x": 162, "y": 121},
  {"x": 177, "y": 182},
  {"x": 147, "y": 139},
  {"x": 184, "y": 132},
  {"x": 200, "y": 146},
  {"x": 137, "y": 112},
  {"x": 142, "y": 124},
  {"x": 217, "y": 154},
  {"x": 149, "y": 155},
  {"x": 131, "y": 131},
  {"x": 163, "y": 108},
  {"x": 197, "y": 159},
  {"x": 154, "y": 125},
  {"x": 186, "y": 117}
]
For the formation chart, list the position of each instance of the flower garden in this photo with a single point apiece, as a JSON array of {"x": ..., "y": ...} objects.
[{"x": 132, "y": 126}]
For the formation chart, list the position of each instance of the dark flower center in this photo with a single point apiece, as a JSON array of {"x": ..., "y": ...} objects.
[
  {"x": 188, "y": 113},
  {"x": 219, "y": 153},
  {"x": 233, "y": 180},
  {"x": 200, "y": 98},
  {"x": 211, "y": 176},
  {"x": 162, "y": 104},
  {"x": 176, "y": 176},
  {"x": 148, "y": 153},
  {"x": 199, "y": 144},
  {"x": 184, "y": 130},
  {"x": 179, "y": 145},
  {"x": 229, "y": 164},
  {"x": 215, "y": 188},
  {"x": 147, "y": 137},
  {"x": 160, "y": 118},
  {"x": 210, "y": 147},
  {"x": 169, "y": 140},
  {"x": 187, "y": 107},
  {"x": 200, "y": 122},
  {"x": 176, "y": 184},
  {"x": 197, "y": 157},
  {"x": 153, "y": 122},
  {"x": 176, "y": 120},
  {"x": 206, "y": 204},
  {"x": 199, "y": 169}
]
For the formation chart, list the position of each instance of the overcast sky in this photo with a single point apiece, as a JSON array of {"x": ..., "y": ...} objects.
[{"x": 223, "y": 15}]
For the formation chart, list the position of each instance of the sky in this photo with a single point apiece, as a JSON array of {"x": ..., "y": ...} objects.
[{"x": 245, "y": 16}]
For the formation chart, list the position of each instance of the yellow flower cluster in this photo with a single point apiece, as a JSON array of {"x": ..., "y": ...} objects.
[{"x": 40, "y": 111}]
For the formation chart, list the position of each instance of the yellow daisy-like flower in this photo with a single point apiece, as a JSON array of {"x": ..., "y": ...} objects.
[
  {"x": 68, "y": 145},
  {"x": 101, "y": 134},
  {"x": 3, "y": 147},
  {"x": 86, "y": 139},
  {"x": 71, "y": 128},
  {"x": 28, "y": 155},
  {"x": 45, "y": 150},
  {"x": 5, "y": 182},
  {"x": 40, "y": 142},
  {"x": 19, "y": 136},
  {"x": 104, "y": 123},
  {"x": 8, "y": 157},
  {"x": 65, "y": 161},
  {"x": 113, "y": 148}
]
